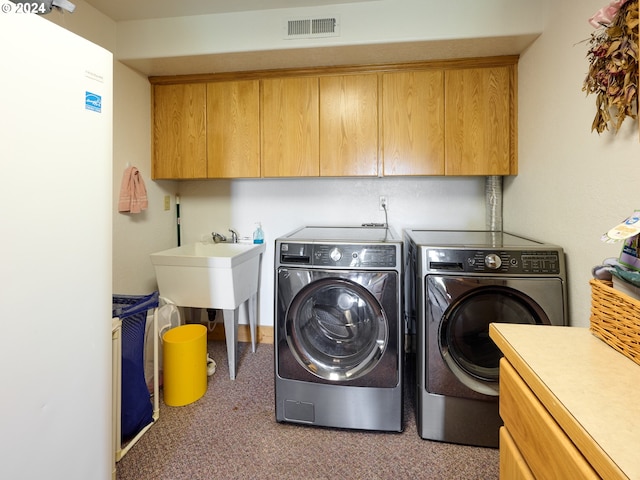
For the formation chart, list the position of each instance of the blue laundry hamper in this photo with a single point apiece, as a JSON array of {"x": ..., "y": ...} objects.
[{"x": 137, "y": 409}]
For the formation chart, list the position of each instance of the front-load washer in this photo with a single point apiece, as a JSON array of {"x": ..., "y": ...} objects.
[
  {"x": 463, "y": 281},
  {"x": 338, "y": 328}
]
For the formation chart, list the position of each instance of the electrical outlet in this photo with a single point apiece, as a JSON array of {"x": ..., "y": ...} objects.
[
  {"x": 167, "y": 202},
  {"x": 383, "y": 202}
]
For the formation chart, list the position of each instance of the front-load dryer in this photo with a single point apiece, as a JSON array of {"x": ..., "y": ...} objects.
[
  {"x": 338, "y": 328},
  {"x": 463, "y": 281}
]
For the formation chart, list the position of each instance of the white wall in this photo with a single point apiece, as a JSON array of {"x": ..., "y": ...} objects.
[
  {"x": 383, "y": 21},
  {"x": 283, "y": 205},
  {"x": 135, "y": 235},
  {"x": 573, "y": 185}
]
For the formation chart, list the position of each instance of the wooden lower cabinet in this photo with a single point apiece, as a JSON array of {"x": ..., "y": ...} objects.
[
  {"x": 512, "y": 464},
  {"x": 533, "y": 445}
]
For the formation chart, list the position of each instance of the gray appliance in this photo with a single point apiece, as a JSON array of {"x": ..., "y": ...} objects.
[
  {"x": 458, "y": 282},
  {"x": 338, "y": 328}
]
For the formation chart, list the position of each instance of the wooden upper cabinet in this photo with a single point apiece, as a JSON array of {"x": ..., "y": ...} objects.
[
  {"x": 290, "y": 127},
  {"x": 413, "y": 123},
  {"x": 233, "y": 129},
  {"x": 449, "y": 117},
  {"x": 349, "y": 125},
  {"x": 481, "y": 121},
  {"x": 179, "y": 131}
]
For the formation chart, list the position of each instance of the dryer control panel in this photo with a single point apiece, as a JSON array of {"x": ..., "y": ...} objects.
[
  {"x": 339, "y": 255},
  {"x": 530, "y": 262}
]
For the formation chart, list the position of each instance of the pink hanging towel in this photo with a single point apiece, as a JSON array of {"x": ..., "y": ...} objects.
[{"x": 133, "y": 194}]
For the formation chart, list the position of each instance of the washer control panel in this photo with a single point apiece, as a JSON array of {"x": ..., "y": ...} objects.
[
  {"x": 341, "y": 255},
  {"x": 536, "y": 262}
]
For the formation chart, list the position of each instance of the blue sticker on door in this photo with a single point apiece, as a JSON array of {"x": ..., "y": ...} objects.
[{"x": 93, "y": 102}]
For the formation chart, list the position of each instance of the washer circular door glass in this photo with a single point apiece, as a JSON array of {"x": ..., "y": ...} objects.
[
  {"x": 464, "y": 332},
  {"x": 336, "y": 329}
]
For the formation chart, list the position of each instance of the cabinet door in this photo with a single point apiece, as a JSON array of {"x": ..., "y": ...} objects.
[
  {"x": 480, "y": 121},
  {"x": 349, "y": 125},
  {"x": 179, "y": 131},
  {"x": 413, "y": 123},
  {"x": 233, "y": 129},
  {"x": 290, "y": 127}
]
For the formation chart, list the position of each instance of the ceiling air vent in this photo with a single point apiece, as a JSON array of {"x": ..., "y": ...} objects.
[{"x": 314, "y": 27}]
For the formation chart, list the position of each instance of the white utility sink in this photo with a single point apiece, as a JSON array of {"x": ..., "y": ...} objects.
[
  {"x": 213, "y": 255},
  {"x": 212, "y": 275},
  {"x": 208, "y": 275}
]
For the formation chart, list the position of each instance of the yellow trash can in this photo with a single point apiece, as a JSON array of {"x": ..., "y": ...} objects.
[{"x": 185, "y": 364}]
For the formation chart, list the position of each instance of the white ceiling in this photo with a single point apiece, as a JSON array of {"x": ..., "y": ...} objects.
[{"x": 120, "y": 10}]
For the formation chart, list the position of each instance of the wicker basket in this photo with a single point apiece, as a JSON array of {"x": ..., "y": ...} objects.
[{"x": 615, "y": 318}]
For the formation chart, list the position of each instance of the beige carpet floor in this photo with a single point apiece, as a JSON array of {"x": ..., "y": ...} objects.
[{"x": 231, "y": 433}]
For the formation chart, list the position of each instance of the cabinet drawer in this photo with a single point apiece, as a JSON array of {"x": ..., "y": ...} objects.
[
  {"x": 547, "y": 450},
  {"x": 512, "y": 465}
]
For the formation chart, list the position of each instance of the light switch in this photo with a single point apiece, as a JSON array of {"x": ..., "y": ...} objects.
[{"x": 167, "y": 202}]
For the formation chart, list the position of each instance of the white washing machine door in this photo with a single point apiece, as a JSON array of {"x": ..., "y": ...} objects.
[{"x": 461, "y": 309}]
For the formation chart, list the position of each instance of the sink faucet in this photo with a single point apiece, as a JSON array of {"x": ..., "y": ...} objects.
[{"x": 217, "y": 238}]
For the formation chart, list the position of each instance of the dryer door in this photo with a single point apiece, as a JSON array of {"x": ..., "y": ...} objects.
[
  {"x": 461, "y": 309},
  {"x": 337, "y": 329}
]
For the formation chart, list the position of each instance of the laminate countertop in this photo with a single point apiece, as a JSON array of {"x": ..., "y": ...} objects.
[{"x": 591, "y": 390}]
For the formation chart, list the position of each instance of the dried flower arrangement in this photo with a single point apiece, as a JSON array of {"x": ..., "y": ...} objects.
[{"x": 613, "y": 64}]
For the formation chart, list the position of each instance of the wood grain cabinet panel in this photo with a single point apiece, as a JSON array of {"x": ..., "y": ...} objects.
[
  {"x": 349, "y": 125},
  {"x": 290, "y": 127},
  {"x": 512, "y": 464},
  {"x": 454, "y": 117},
  {"x": 480, "y": 121},
  {"x": 233, "y": 129},
  {"x": 413, "y": 123},
  {"x": 179, "y": 131},
  {"x": 548, "y": 452}
]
